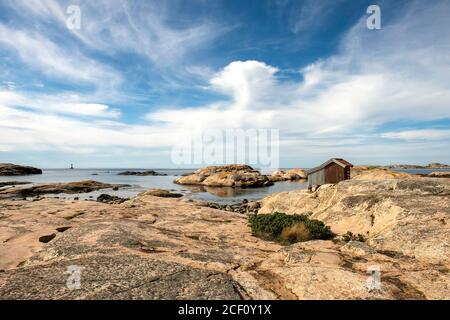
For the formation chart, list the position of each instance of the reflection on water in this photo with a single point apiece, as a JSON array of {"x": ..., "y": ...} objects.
[
  {"x": 138, "y": 184},
  {"x": 231, "y": 195},
  {"x": 217, "y": 191}
]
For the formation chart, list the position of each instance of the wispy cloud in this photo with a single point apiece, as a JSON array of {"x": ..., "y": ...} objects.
[
  {"x": 339, "y": 105},
  {"x": 53, "y": 60},
  {"x": 139, "y": 27},
  {"x": 110, "y": 31},
  {"x": 418, "y": 134},
  {"x": 312, "y": 14}
]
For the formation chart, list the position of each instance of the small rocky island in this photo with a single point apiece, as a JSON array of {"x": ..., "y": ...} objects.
[
  {"x": 10, "y": 169},
  {"x": 234, "y": 175},
  {"x": 141, "y": 173}
]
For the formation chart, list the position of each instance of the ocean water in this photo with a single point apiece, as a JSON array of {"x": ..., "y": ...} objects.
[{"x": 138, "y": 184}]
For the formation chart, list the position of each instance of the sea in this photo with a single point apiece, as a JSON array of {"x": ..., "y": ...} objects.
[{"x": 222, "y": 195}]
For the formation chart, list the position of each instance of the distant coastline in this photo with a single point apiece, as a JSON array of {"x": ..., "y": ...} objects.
[{"x": 414, "y": 166}]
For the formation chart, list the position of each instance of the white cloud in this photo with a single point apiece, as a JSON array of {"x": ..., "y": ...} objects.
[
  {"x": 418, "y": 134},
  {"x": 397, "y": 74},
  {"x": 250, "y": 83},
  {"x": 31, "y": 130},
  {"x": 60, "y": 104}
]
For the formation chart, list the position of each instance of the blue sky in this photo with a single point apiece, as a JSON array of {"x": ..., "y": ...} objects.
[{"x": 123, "y": 89}]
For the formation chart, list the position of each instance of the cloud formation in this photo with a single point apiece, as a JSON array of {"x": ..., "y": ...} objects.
[{"x": 365, "y": 101}]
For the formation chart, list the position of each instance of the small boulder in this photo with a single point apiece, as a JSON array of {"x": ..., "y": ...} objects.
[
  {"x": 161, "y": 193},
  {"x": 106, "y": 198}
]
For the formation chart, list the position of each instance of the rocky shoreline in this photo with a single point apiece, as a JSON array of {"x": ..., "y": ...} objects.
[
  {"x": 150, "y": 247},
  {"x": 58, "y": 188},
  {"x": 237, "y": 176},
  {"x": 161, "y": 245}
]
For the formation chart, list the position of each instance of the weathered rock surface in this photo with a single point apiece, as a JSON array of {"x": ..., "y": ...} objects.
[
  {"x": 163, "y": 248},
  {"x": 121, "y": 277},
  {"x": 409, "y": 217},
  {"x": 235, "y": 175},
  {"x": 438, "y": 174},
  {"x": 141, "y": 173},
  {"x": 370, "y": 173},
  {"x": 56, "y": 188},
  {"x": 289, "y": 175},
  {"x": 9, "y": 169},
  {"x": 162, "y": 193}
]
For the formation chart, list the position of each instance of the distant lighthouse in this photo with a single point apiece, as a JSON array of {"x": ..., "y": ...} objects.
[{"x": 71, "y": 166}]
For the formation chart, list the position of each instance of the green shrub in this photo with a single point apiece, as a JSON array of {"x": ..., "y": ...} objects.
[
  {"x": 271, "y": 227},
  {"x": 349, "y": 236}
]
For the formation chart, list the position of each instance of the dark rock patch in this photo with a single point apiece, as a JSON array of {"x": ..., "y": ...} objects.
[
  {"x": 425, "y": 187},
  {"x": 47, "y": 238},
  {"x": 106, "y": 198},
  {"x": 62, "y": 229},
  {"x": 354, "y": 201},
  {"x": 244, "y": 207}
]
